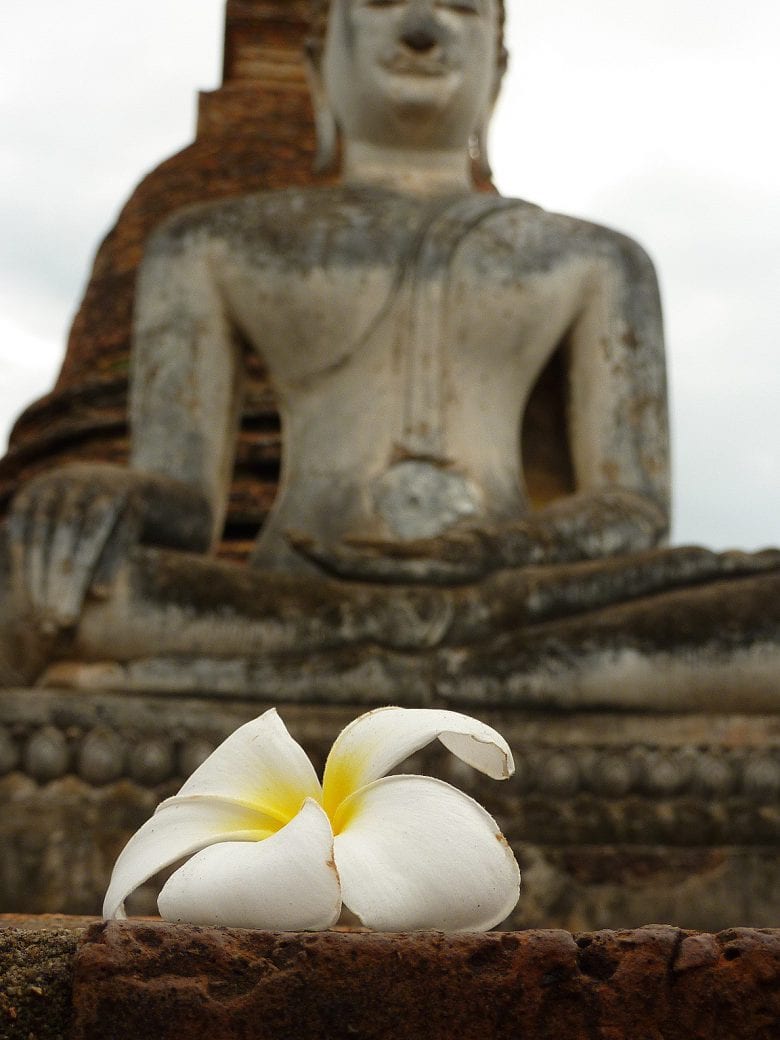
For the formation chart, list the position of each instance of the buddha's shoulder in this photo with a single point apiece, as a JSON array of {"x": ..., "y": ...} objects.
[
  {"x": 283, "y": 222},
  {"x": 527, "y": 230},
  {"x": 282, "y": 213}
]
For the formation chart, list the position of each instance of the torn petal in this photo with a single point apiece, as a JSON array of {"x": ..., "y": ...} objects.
[
  {"x": 375, "y": 743},
  {"x": 415, "y": 853},
  {"x": 288, "y": 882}
]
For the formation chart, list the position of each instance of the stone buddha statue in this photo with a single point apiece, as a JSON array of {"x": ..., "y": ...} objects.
[{"x": 404, "y": 318}]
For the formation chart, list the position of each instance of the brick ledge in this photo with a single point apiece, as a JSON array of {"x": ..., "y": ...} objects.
[{"x": 160, "y": 981}]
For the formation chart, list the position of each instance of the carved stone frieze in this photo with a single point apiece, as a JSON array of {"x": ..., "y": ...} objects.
[
  {"x": 634, "y": 779},
  {"x": 615, "y": 817}
]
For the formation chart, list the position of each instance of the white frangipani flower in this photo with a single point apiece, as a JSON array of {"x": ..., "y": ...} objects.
[{"x": 270, "y": 847}]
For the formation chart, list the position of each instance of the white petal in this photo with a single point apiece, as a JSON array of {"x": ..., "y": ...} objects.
[
  {"x": 261, "y": 765},
  {"x": 413, "y": 852},
  {"x": 288, "y": 882},
  {"x": 377, "y": 742},
  {"x": 178, "y": 828}
]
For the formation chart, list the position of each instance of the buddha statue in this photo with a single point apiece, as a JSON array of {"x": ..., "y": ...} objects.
[{"x": 404, "y": 318}]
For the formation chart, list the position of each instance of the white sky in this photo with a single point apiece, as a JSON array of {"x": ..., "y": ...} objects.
[{"x": 657, "y": 117}]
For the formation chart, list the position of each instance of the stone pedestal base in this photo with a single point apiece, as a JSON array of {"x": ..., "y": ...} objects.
[{"x": 617, "y": 819}]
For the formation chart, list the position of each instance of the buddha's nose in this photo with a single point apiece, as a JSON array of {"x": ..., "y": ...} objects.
[
  {"x": 419, "y": 39},
  {"x": 420, "y": 34}
]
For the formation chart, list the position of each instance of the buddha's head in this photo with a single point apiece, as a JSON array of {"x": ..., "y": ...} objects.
[{"x": 415, "y": 73}]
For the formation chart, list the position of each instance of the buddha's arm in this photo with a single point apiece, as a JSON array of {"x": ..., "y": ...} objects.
[
  {"x": 618, "y": 425},
  {"x": 70, "y": 529},
  {"x": 186, "y": 386}
]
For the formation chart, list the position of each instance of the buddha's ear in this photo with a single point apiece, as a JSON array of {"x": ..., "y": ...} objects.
[
  {"x": 478, "y": 152},
  {"x": 324, "y": 120},
  {"x": 478, "y": 142}
]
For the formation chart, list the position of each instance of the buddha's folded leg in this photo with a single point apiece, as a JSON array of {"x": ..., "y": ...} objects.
[
  {"x": 663, "y": 629},
  {"x": 563, "y": 590},
  {"x": 167, "y": 602},
  {"x": 710, "y": 646}
]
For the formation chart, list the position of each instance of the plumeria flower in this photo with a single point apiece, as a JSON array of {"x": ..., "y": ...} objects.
[{"x": 271, "y": 847}]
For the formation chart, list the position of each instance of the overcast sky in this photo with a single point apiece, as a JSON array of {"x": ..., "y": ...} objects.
[{"x": 658, "y": 117}]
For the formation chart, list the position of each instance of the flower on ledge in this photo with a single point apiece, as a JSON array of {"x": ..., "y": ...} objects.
[{"x": 271, "y": 847}]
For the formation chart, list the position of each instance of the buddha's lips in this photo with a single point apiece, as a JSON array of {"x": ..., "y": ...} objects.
[{"x": 416, "y": 67}]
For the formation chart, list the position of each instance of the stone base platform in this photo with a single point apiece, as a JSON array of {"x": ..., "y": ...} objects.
[
  {"x": 617, "y": 819},
  {"x": 175, "y": 982}
]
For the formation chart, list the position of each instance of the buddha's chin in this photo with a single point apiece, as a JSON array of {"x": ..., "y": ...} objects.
[{"x": 421, "y": 120}]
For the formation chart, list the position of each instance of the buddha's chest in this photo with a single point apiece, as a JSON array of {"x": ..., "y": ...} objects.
[{"x": 377, "y": 291}]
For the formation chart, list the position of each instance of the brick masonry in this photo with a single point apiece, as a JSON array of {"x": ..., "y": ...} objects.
[{"x": 163, "y": 981}]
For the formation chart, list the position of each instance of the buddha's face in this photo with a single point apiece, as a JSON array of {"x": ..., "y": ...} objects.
[{"x": 410, "y": 72}]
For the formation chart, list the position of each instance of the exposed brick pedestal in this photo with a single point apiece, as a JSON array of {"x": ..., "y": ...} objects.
[{"x": 175, "y": 982}]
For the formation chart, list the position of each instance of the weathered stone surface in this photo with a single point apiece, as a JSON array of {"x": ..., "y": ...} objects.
[
  {"x": 46, "y": 922},
  {"x": 167, "y": 981},
  {"x": 36, "y": 978}
]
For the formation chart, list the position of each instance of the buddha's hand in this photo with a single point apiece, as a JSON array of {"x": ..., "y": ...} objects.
[
  {"x": 71, "y": 529},
  {"x": 453, "y": 558},
  {"x": 579, "y": 527}
]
